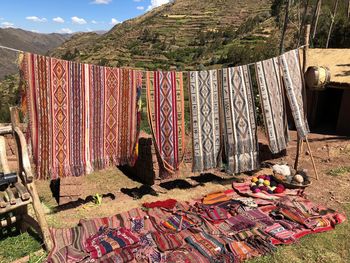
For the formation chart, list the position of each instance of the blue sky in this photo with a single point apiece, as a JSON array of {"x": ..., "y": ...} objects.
[{"x": 68, "y": 16}]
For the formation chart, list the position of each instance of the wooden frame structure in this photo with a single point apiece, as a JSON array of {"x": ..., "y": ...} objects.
[{"x": 14, "y": 199}]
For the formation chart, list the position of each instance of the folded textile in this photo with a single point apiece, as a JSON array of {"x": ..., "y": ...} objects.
[
  {"x": 239, "y": 128},
  {"x": 206, "y": 135},
  {"x": 178, "y": 222},
  {"x": 108, "y": 240},
  {"x": 213, "y": 213},
  {"x": 261, "y": 245},
  {"x": 239, "y": 223},
  {"x": 249, "y": 219},
  {"x": 165, "y": 104},
  {"x": 206, "y": 244},
  {"x": 241, "y": 250},
  {"x": 186, "y": 254},
  {"x": 81, "y": 117},
  {"x": 168, "y": 204},
  {"x": 294, "y": 86},
  {"x": 243, "y": 235},
  {"x": 279, "y": 232},
  {"x": 272, "y": 102},
  {"x": 215, "y": 198},
  {"x": 245, "y": 189},
  {"x": 167, "y": 241}
]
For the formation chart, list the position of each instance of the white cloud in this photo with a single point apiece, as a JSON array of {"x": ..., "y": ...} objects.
[
  {"x": 65, "y": 31},
  {"x": 35, "y": 31},
  {"x": 94, "y": 22},
  {"x": 156, "y": 3},
  {"x": 78, "y": 20},
  {"x": 101, "y": 2},
  {"x": 140, "y": 8},
  {"x": 1, "y": 18},
  {"x": 36, "y": 19},
  {"x": 7, "y": 24},
  {"x": 114, "y": 21},
  {"x": 58, "y": 20}
]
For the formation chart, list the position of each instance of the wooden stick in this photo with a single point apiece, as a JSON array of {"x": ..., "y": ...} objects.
[
  {"x": 311, "y": 156},
  {"x": 333, "y": 18},
  {"x": 285, "y": 26}
]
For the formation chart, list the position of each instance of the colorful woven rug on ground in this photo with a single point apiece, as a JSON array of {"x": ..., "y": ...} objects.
[
  {"x": 81, "y": 117},
  {"x": 240, "y": 131},
  {"x": 294, "y": 85},
  {"x": 272, "y": 103},
  {"x": 246, "y": 232},
  {"x": 165, "y": 104},
  {"x": 205, "y": 120}
]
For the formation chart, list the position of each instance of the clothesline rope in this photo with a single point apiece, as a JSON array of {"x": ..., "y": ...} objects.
[{"x": 21, "y": 51}]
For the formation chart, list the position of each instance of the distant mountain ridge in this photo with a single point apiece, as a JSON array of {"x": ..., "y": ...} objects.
[
  {"x": 176, "y": 34},
  {"x": 27, "y": 41}
]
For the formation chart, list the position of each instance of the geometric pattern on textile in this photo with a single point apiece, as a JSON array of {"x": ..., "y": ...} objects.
[
  {"x": 205, "y": 120},
  {"x": 272, "y": 103},
  {"x": 294, "y": 85},
  {"x": 240, "y": 131},
  {"x": 165, "y": 104},
  {"x": 81, "y": 117}
]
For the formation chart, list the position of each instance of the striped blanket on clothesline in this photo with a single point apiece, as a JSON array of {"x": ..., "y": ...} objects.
[
  {"x": 272, "y": 103},
  {"x": 294, "y": 85},
  {"x": 81, "y": 117},
  {"x": 240, "y": 131},
  {"x": 204, "y": 92},
  {"x": 165, "y": 103}
]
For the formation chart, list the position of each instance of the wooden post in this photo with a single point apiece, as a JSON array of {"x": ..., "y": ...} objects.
[
  {"x": 315, "y": 17},
  {"x": 332, "y": 23},
  {"x": 305, "y": 50},
  {"x": 306, "y": 6},
  {"x": 285, "y": 26},
  {"x": 311, "y": 157}
]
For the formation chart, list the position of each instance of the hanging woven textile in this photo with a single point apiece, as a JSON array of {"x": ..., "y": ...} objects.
[
  {"x": 81, "y": 117},
  {"x": 205, "y": 120},
  {"x": 294, "y": 84},
  {"x": 272, "y": 103},
  {"x": 165, "y": 103},
  {"x": 240, "y": 137}
]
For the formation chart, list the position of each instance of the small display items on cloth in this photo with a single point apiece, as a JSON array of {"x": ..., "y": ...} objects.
[
  {"x": 272, "y": 103},
  {"x": 81, "y": 117},
  {"x": 240, "y": 130},
  {"x": 206, "y": 134},
  {"x": 294, "y": 86},
  {"x": 165, "y": 104}
]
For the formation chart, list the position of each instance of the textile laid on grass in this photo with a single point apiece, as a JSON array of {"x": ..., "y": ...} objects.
[
  {"x": 165, "y": 103},
  {"x": 205, "y": 120},
  {"x": 246, "y": 233},
  {"x": 240, "y": 131},
  {"x": 272, "y": 103},
  {"x": 81, "y": 117},
  {"x": 294, "y": 84}
]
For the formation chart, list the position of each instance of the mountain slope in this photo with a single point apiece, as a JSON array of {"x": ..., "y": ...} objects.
[
  {"x": 27, "y": 41},
  {"x": 177, "y": 34}
]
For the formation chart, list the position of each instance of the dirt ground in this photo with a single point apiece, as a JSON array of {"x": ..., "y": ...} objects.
[{"x": 121, "y": 193}]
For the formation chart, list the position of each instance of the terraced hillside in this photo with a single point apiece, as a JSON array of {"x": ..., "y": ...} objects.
[{"x": 177, "y": 34}]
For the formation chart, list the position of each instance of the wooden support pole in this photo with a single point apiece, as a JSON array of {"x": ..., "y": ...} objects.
[
  {"x": 285, "y": 26},
  {"x": 332, "y": 23},
  {"x": 315, "y": 17},
  {"x": 312, "y": 157},
  {"x": 305, "y": 50}
]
